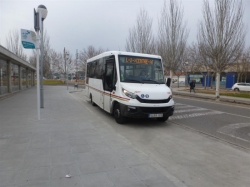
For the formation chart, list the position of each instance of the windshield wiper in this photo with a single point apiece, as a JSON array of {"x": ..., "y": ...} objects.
[
  {"x": 132, "y": 80},
  {"x": 152, "y": 81}
]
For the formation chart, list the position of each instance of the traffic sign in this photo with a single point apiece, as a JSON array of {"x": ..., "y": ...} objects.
[{"x": 28, "y": 39}]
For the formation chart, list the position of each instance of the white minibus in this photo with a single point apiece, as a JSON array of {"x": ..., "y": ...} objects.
[{"x": 129, "y": 85}]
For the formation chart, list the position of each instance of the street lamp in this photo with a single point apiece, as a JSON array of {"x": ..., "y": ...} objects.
[
  {"x": 43, "y": 12},
  {"x": 66, "y": 58},
  {"x": 186, "y": 79}
]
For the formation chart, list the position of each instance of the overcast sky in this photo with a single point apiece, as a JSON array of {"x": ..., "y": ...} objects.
[{"x": 76, "y": 24}]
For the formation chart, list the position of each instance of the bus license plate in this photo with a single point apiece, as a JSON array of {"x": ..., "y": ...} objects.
[{"x": 155, "y": 115}]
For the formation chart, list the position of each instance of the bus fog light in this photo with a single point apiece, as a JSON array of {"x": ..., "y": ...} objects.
[{"x": 132, "y": 108}]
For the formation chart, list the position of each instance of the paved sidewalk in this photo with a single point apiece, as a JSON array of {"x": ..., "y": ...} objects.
[
  {"x": 181, "y": 92},
  {"x": 68, "y": 140}
]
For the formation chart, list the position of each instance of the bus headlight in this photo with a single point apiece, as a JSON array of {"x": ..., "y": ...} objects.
[
  {"x": 129, "y": 94},
  {"x": 170, "y": 96}
]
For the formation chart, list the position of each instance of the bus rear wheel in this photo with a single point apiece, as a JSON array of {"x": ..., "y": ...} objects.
[
  {"x": 118, "y": 116},
  {"x": 91, "y": 101},
  {"x": 162, "y": 119}
]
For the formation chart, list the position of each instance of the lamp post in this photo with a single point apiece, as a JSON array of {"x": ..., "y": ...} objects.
[
  {"x": 43, "y": 12},
  {"x": 186, "y": 79},
  {"x": 66, "y": 57}
]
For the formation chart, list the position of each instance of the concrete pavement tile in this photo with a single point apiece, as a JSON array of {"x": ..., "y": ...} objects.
[
  {"x": 112, "y": 162},
  {"x": 133, "y": 184},
  {"x": 78, "y": 141},
  {"x": 61, "y": 159},
  {"x": 19, "y": 140},
  {"x": 101, "y": 146},
  {"x": 33, "y": 153},
  {"x": 39, "y": 174},
  {"x": 59, "y": 134},
  {"x": 87, "y": 157},
  {"x": 59, "y": 172},
  {"x": 84, "y": 148},
  {"x": 11, "y": 164},
  {"x": 94, "y": 139},
  {"x": 16, "y": 147},
  {"x": 159, "y": 183},
  {"x": 147, "y": 171},
  {"x": 33, "y": 162},
  {"x": 59, "y": 142},
  {"x": 33, "y": 184},
  {"x": 95, "y": 180},
  {"x": 39, "y": 143},
  {"x": 7, "y": 177},
  {"x": 89, "y": 167},
  {"x": 123, "y": 176},
  {"x": 11, "y": 154},
  {"x": 59, "y": 150},
  {"x": 74, "y": 181},
  {"x": 133, "y": 160}
]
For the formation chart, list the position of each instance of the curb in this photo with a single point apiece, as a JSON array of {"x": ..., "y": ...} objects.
[{"x": 212, "y": 97}]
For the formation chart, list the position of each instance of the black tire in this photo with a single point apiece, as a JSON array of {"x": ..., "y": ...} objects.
[
  {"x": 236, "y": 89},
  {"x": 162, "y": 119},
  {"x": 91, "y": 101},
  {"x": 117, "y": 115}
]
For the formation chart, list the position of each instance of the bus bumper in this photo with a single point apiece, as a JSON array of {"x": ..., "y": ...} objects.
[{"x": 144, "y": 112}]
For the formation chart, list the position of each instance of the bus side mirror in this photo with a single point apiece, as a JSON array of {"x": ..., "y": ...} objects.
[
  {"x": 168, "y": 82},
  {"x": 114, "y": 88}
]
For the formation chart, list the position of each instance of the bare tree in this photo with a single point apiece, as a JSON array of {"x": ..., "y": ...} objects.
[
  {"x": 172, "y": 36},
  {"x": 61, "y": 63},
  {"x": 14, "y": 44},
  {"x": 87, "y": 53},
  {"x": 46, "y": 56},
  {"x": 141, "y": 39},
  {"x": 222, "y": 35},
  {"x": 244, "y": 64}
]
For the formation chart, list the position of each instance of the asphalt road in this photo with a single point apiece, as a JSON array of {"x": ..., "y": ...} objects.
[
  {"x": 203, "y": 144},
  {"x": 225, "y": 121}
]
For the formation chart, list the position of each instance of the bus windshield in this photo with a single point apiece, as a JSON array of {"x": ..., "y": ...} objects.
[{"x": 135, "y": 69}]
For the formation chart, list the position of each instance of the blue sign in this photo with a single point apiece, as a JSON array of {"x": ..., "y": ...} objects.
[{"x": 28, "y": 39}]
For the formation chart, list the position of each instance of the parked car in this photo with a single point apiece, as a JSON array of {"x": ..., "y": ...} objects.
[{"x": 241, "y": 86}]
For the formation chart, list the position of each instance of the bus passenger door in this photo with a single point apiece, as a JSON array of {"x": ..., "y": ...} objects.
[{"x": 108, "y": 82}]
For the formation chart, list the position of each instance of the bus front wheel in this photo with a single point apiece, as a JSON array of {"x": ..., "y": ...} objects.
[{"x": 117, "y": 114}]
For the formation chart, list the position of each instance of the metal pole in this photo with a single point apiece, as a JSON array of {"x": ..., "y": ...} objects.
[
  {"x": 41, "y": 78},
  {"x": 37, "y": 76}
]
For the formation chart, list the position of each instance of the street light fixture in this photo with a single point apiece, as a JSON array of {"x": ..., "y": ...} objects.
[{"x": 43, "y": 12}]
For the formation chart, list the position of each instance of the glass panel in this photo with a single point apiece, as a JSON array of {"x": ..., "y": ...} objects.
[
  {"x": 140, "y": 70},
  {"x": 23, "y": 70},
  {"x": 14, "y": 77},
  {"x": 3, "y": 78}
]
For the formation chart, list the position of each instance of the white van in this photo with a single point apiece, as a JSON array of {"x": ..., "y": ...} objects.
[{"x": 129, "y": 85}]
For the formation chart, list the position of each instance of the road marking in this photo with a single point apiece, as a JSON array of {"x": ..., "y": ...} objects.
[
  {"x": 195, "y": 115},
  {"x": 189, "y": 106},
  {"x": 185, "y": 106},
  {"x": 237, "y": 115},
  {"x": 231, "y": 130},
  {"x": 178, "y": 104},
  {"x": 190, "y": 110},
  {"x": 216, "y": 102}
]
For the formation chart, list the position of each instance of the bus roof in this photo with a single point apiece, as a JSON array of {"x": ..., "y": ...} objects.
[{"x": 109, "y": 53}]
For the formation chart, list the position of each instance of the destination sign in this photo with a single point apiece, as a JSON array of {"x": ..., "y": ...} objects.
[{"x": 139, "y": 60}]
